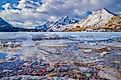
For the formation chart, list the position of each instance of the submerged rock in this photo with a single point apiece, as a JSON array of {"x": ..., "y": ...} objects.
[{"x": 104, "y": 53}]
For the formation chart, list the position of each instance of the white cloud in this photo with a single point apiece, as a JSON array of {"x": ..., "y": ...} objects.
[
  {"x": 31, "y": 12},
  {"x": 7, "y": 6}
]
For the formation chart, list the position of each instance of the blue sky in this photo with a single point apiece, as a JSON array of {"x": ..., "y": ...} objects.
[
  {"x": 29, "y": 13},
  {"x": 2, "y": 2}
]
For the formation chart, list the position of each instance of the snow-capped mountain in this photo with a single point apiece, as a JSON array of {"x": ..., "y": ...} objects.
[
  {"x": 97, "y": 18},
  {"x": 58, "y": 25},
  {"x": 44, "y": 27}
]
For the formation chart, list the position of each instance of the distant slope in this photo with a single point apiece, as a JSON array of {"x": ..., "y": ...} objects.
[
  {"x": 58, "y": 25},
  {"x": 6, "y": 27},
  {"x": 44, "y": 27}
]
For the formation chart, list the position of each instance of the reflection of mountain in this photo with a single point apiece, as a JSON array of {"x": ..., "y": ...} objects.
[{"x": 6, "y": 27}]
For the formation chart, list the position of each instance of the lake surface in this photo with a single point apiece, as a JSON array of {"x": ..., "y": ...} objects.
[{"x": 23, "y": 53}]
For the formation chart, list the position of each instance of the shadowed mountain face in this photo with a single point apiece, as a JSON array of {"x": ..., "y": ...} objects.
[
  {"x": 4, "y": 23},
  {"x": 6, "y": 27}
]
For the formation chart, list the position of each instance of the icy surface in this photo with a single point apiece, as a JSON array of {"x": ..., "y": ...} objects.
[{"x": 29, "y": 55}]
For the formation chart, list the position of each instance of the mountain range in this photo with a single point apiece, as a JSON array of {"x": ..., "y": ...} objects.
[
  {"x": 100, "y": 20},
  {"x": 58, "y": 25}
]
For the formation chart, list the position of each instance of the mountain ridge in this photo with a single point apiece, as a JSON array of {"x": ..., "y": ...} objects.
[
  {"x": 57, "y": 25},
  {"x": 101, "y": 19}
]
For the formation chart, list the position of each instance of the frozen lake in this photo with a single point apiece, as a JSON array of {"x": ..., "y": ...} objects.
[
  {"x": 29, "y": 35},
  {"x": 23, "y": 53}
]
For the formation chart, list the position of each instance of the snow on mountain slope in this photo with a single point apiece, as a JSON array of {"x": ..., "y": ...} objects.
[
  {"x": 97, "y": 18},
  {"x": 57, "y": 25},
  {"x": 44, "y": 27},
  {"x": 60, "y": 24}
]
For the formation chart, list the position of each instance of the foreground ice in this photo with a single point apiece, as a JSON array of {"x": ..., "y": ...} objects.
[{"x": 60, "y": 56}]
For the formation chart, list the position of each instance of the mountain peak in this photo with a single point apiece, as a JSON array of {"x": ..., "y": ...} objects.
[
  {"x": 98, "y": 18},
  {"x": 58, "y": 25},
  {"x": 104, "y": 11},
  {"x": 66, "y": 20},
  {"x": 63, "y": 19}
]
